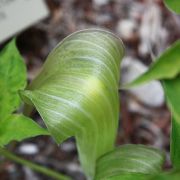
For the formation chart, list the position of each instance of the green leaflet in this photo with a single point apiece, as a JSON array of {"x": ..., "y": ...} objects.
[
  {"x": 167, "y": 69},
  {"x": 173, "y": 5},
  {"x": 12, "y": 79},
  {"x": 129, "y": 162},
  {"x": 17, "y": 127},
  {"x": 167, "y": 66},
  {"x": 76, "y": 93}
]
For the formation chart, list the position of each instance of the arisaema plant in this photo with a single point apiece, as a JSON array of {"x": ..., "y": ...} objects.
[{"x": 76, "y": 94}]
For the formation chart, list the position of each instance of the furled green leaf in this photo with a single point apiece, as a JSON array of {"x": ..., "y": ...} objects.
[
  {"x": 17, "y": 127},
  {"x": 129, "y": 162},
  {"x": 76, "y": 93},
  {"x": 173, "y": 175},
  {"x": 129, "y": 176},
  {"x": 167, "y": 69},
  {"x": 13, "y": 79},
  {"x": 173, "y": 5}
]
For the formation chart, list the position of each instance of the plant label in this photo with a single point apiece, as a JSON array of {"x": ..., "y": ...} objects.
[{"x": 16, "y": 15}]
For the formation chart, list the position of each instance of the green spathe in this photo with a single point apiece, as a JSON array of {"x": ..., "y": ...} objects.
[{"x": 76, "y": 93}]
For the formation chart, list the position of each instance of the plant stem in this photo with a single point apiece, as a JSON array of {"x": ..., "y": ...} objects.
[{"x": 33, "y": 166}]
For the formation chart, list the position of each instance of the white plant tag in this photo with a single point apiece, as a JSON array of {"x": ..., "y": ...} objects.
[{"x": 16, "y": 15}]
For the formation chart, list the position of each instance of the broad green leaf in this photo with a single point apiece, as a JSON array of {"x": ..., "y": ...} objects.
[
  {"x": 173, "y": 5},
  {"x": 76, "y": 93},
  {"x": 167, "y": 69},
  {"x": 129, "y": 162},
  {"x": 12, "y": 79},
  {"x": 17, "y": 127}
]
